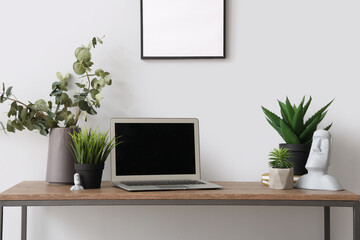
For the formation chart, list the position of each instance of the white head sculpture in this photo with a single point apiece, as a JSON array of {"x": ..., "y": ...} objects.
[
  {"x": 318, "y": 164},
  {"x": 319, "y": 157},
  {"x": 77, "y": 183}
]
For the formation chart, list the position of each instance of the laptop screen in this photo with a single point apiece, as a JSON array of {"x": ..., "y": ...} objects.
[{"x": 155, "y": 149}]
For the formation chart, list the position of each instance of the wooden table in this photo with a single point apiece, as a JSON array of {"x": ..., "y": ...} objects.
[{"x": 27, "y": 194}]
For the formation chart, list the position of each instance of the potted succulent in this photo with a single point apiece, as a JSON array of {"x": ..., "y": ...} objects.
[
  {"x": 60, "y": 115},
  {"x": 295, "y": 131},
  {"x": 91, "y": 148},
  {"x": 281, "y": 173}
]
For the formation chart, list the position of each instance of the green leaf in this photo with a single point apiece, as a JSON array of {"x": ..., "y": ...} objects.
[
  {"x": 272, "y": 116},
  {"x": 12, "y": 112},
  {"x": 69, "y": 119},
  {"x": 80, "y": 85},
  {"x": 91, "y": 111},
  {"x": 56, "y": 92},
  {"x": 9, "y": 127},
  {"x": 59, "y": 76},
  {"x": 307, "y": 105},
  {"x": 66, "y": 76},
  {"x": 61, "y": 116},
  {"x": 24, "y": 114},
  {"x": 41, "y": 105},
  {"x": 310, "y": 129},
  {"x": 83, "y": 55},
  {"x": 99, "y": 40},
  {"x": 94, "y": 42},
  {"x": 298, "y": 121},
  {"x": 50, "y": 104},
  {"x": 64, "y": 97},
  {"x": 50, "y": 123},
  {"x": 8, "y": 91},
  {"x": 328, "y": 127},
  {"x": 284, "y": 113},
  {"x": 15, "y": 123},
  {"x": 107, "y": 79},
  {"x": 99, "y": 72},
  {"x": 93, "y": 93},
  {"x": 98, "y": 97},
  {"x": 14, "y": 105},
  {"x": 288, "y": 135},
  {"x": 83, "y": 105},
  {"x": 318, "y": 113},
  {"x": 43, "y": 132},
  {"x": 289, "y": 109},
  {"x": 95, "y": 83},
  {"x": 78, "y": 68}
]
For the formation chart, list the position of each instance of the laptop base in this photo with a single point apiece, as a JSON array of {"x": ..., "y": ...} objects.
[{"x": 204, "y": 185}]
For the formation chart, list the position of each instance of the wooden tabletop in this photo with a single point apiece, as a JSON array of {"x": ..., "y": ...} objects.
[{"x": 39, "y": 190}]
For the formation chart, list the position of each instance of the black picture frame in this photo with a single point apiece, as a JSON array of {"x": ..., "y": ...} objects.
[{"x": 156, "y": 51}]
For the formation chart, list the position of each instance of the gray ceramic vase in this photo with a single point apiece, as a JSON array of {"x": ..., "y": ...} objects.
[{"x": 60, "y": 163}]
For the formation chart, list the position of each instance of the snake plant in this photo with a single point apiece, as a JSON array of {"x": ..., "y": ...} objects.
[{"x": 292, "y": 127}]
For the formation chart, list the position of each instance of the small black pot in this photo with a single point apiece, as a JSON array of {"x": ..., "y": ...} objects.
[
  {"x": 90, "y": 174},
  {"x": 299, "y": 155}
]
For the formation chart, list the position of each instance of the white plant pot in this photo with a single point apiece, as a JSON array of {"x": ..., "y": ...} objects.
[{"x": 281, "y": 178}]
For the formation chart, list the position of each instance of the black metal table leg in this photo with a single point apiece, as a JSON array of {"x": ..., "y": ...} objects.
[
  {"x": 356, "y": 221},
  {"x": 327, "y": 223},
  {"x": 23, "y": 222}
]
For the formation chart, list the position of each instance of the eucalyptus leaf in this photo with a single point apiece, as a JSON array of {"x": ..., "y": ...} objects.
[
  {"x": 80, "y": 85},
  {"x": 83, "y": 105},
  {"x": 83, "y": 55},
  {"x": 9, "y": 127},
  {"x": 8, "y": 91},
  {"x": 59, "y": 76},
  {"x": 41, "y": 105},
  {"x": 78, "y": 68},
  {"x": 93, "y": 93}
]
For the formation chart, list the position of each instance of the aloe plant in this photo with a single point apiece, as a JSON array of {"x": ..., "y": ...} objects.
[
  {"x": 65, "y": 110},
  {"x": 91, "y": 146},
  {"x": 292, "y": 127},
  {"x": 279, "y": 158}
]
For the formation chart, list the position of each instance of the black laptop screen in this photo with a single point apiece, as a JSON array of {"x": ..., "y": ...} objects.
[{"x": 155, "y": 149}]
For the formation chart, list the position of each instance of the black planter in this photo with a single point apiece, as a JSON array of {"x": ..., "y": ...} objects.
[
  {"x": 299, "y": 155},
  {"x": 90, "y": 174}
]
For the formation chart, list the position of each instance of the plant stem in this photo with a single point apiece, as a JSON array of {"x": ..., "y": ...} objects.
[{"x": 78, "y": 111}]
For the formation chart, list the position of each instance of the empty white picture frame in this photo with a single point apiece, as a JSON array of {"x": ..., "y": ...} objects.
[{"x": 182, "y": 29}]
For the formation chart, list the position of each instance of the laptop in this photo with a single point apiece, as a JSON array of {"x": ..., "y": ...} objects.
[{"x": 156, "y": 154}]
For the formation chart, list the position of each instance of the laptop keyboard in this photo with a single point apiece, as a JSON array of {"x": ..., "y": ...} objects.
[{"x": 162, "y": 182}]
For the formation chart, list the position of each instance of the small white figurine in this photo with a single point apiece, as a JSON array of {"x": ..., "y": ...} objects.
[
  {"x": 318, "y": 164},
  {"x": 77, "y": 183}
]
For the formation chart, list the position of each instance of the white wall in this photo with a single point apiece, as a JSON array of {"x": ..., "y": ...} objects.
[{"x": 275, "y": 48}]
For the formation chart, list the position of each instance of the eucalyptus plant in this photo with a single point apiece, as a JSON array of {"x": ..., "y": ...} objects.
[
  {"x": 91, "y": 146},
  {"x": 279, "y": 158},
  {"x": 292, "y": 127},
  {"x": 65, "y": 109}
]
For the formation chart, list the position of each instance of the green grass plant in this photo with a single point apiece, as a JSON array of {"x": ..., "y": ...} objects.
[{"x": 92, "y": 146}]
